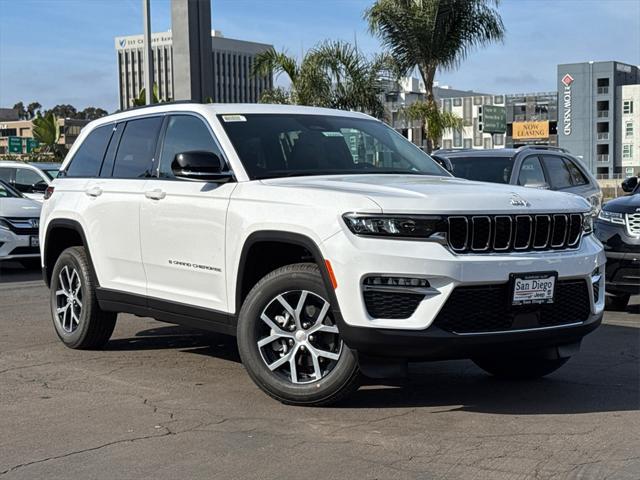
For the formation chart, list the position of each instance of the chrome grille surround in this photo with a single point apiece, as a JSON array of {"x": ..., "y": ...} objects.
[
  {"x": 517, "y": 233},
  {"x": 633, "y": 223}
]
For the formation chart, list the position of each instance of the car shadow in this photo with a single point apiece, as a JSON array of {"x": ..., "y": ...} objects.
[
  {"x": 15, "y": 272},
  {"x": 603, "y": 377}
]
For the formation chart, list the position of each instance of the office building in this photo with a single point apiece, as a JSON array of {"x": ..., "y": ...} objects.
[
  {"x": 472, "y": 109},
  {"x": 232, "y": 68},
  {"x": 69, "y": 130},
  {"x": 532, "y": 119},
  {"x": 627, "y": 130},
  {"x": 591, "y": 109}
]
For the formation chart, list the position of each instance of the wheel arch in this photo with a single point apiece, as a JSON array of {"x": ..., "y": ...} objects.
[
  {"x": 61, "y": 233},
  {"x": 285, "y": 238}
]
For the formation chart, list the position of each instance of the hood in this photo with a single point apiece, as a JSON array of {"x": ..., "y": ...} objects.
[
  {"x": 432, "y": 194},
  {"x": 626, "y": 204},
  {"x": 19, "y": 207}
]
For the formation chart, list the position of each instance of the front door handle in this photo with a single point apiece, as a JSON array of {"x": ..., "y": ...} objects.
[
  {"x": 156, "y": 194},
  {"x": 94, "y": 191}
]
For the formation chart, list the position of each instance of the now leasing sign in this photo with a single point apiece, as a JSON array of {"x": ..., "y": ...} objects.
[
  {"x": 530, "y": 130},
  {"x": 567, "y": 80}
]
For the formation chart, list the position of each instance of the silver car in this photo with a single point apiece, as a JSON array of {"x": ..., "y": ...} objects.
[{"x": 19, "y": 226}]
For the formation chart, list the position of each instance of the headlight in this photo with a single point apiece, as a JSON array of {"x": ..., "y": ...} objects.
[
  {"x": 397, "y": 226},
  {"x": 587, "y": 223},
  {"x": 612, "y": 217}
]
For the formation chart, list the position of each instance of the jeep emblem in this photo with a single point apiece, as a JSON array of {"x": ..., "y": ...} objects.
[{"x": 518, "y": 201}]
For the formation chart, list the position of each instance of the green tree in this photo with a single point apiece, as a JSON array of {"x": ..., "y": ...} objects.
[
  {"x": 22, "y": 112},
  {"x": 433, "y": 121},
  {"x": 434, "y": 34},
  {"x": 64, "y": 111},
  {"x": 47, "y": 131},
  {"x": 33, "y": 109},
  {"x": 141, "y": 101},
  {"x": 92, "y": 113},
  {"x": 333, "y": 75}
]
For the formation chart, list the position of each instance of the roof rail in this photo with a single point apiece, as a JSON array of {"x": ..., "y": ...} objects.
[
  {"x": 440, "y": 150},
  {"x": 172, "y": 102},
  {"x": 543, "y": 147}
]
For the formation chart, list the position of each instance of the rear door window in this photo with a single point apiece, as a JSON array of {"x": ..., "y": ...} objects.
[
  {"x": 87, "y": 160},
  {"x": 531, "y": 173},
  {"x": 137, "y": 147},
  {"x": 26, "y": 179},
  {"x": 559, "y": 175}
]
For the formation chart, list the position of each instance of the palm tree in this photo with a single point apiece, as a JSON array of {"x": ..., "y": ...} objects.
[
  {"x": 333, "y": 75},
  {"x": 434, "y": 34},
  {"x": 433, "y": 121},
  {"x": 141, "y": 101},
  {"x": 47, "y": 131}
]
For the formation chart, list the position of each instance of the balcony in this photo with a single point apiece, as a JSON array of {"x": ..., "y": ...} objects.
[
  {"x": 603, "y": 136},
  {"x": 603, "y": 113},
  {"x": 603, "y": 157},
  {"x": 603, "y": 90}
]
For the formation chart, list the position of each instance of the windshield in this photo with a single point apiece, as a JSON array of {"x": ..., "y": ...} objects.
[
  {"x": 280, "y": 145},
  {"x": 6, "y": 191},
  {"x": 483, "y": 169}
]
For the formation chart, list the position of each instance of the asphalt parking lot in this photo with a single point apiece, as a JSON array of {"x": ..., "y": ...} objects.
[{"x": 167, "y": 402}]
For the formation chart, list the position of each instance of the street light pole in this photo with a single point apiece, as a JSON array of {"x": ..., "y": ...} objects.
[{"x": 148, "y": 59}]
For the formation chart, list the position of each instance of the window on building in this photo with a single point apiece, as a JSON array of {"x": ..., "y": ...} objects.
[
  {"x": 457, "y": 138},
  {"x": 627, "y": 150},
  {"x": 446, "y": 144},
  {"x": 88, "y": 158},
  {"x": 498, "y": 139},
  {"x": 446, "y": 105},
  {"x": 487, "y": 142},
  {"x": 627, "y": 107},
  {"x": 137, "y": 147},
  {"x": 467, "y": 112},
  {"x": 628, "y": 129},
  {"x": 477, "y": 100},
  {"x": 603, "y": 86},
  {"x": 185, "y": 133},
  {"x": 457, "y": 102},
  {"x": 498, "y": 99},
  {"x": 467, "y": 143}
]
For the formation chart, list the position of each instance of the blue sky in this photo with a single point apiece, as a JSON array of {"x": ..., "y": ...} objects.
[{"x": 62, "y": 51}]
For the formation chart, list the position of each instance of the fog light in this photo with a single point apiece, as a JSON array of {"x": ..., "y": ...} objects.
[{"x": 397, "y": 282}]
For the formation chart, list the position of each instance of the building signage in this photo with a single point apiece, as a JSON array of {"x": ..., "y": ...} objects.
[
  {"x": 137, "y": 41},
  {"x": 530, "y": 130},
  {"x": 567, "y": 80},
  {"x": 15, "y": 145},
  {"x": 494, "y": 119}
]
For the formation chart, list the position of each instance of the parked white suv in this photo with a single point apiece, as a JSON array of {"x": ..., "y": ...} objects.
[{"x": 325, "y": 241}]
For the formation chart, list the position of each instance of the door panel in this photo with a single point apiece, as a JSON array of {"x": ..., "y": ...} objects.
[{"x": 183, "y": 241}]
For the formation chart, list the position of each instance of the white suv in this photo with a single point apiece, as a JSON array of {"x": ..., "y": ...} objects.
[{"x": 325, "y": 241}]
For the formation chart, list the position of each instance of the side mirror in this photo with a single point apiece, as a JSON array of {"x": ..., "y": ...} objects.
[
  {"x": 197, "y": 165},
  {"x": 39, "y": 187},
  {"x": 629, "y": 184}
]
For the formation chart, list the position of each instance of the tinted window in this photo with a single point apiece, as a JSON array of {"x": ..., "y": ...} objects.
[
  {"x": 87, "y": 160},
  {"x": 577, "y": 176},
  {"x": 276, "y": 145},
  {"x": 185, "y": 133},
  {"x": 7, "y": 192},
  {"x": 482, "y": 168},
  {"x": 559, "y": 175},
  {"x": 26, "y": 178},
  {"x": 137, "y": 147},
  {"x": 6, "y": 173},
  {"x": 531, "y": 173}
]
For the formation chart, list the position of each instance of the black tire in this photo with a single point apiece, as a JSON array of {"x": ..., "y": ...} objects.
[
  {"x": 336, "y": 383},
  {"x": 519, "y": 367},
  {"x": 94, "y": 326},
  {"x": 617, "y": 303}
]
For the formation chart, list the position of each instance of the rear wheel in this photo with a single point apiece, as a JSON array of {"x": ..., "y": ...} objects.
[
  {"x": 617, "y": 303},
  {"x": 77, "y": 317},
  {"x": 519, "y": 367},
  {"x": 289, "y": 341}
]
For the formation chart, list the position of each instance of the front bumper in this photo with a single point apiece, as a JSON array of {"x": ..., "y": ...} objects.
[
  {"x": 14, "y": 246},
  {"x": 623, "y": 258}
]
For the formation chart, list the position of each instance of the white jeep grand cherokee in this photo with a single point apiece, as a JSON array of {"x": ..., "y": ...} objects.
[{"x": 326, "y": 242}]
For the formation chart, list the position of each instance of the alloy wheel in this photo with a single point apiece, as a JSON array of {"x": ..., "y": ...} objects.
[
  {"x": 298, "y": 338},
  {"x": 69, "y": 299}
]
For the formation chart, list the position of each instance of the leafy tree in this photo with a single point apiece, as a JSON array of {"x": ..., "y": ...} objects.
[
  {"x": 433, "y": 121},
  {"x": 64, "y": 111},
  {"x": 92, "y": 113},
  {"x": 33, "y": 109},
  {"x": 142, "y": 97},
  {"x": 434, "y": 34},
  {"x": 333, "y": 74},
  {"x": 22, "y": 112},
  {"x": 47, "y": 131}
]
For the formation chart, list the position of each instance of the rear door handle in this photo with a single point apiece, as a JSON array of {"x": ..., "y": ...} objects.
[
  {"x": 94, "y": 191},
  {"x": 156, "y": 194}
]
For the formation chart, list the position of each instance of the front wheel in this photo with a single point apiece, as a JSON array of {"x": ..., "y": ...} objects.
[
  {"x": 519, "y": 367},
  {"x": 289, "y": 340}
]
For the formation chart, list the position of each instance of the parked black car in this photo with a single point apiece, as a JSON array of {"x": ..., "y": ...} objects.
[
  {"x": 529, "y": 166},
  {"x": 618, "y": 228}
]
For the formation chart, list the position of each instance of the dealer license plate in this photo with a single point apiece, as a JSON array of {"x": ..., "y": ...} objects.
[
  {"x": 533, "y": 288},
  {"x": 34, "y": 241}
]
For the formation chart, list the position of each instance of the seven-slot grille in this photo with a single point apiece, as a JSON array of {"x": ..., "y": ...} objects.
[
  {"x": 508, "y": 233},
  {"x": 633, "y": 223}
]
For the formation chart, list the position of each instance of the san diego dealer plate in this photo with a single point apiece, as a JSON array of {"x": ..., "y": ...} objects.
[{"x": 530, "y": 288}]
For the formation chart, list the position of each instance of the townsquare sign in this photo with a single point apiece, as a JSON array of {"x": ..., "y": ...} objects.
[{"x": 567, "y": 80}]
